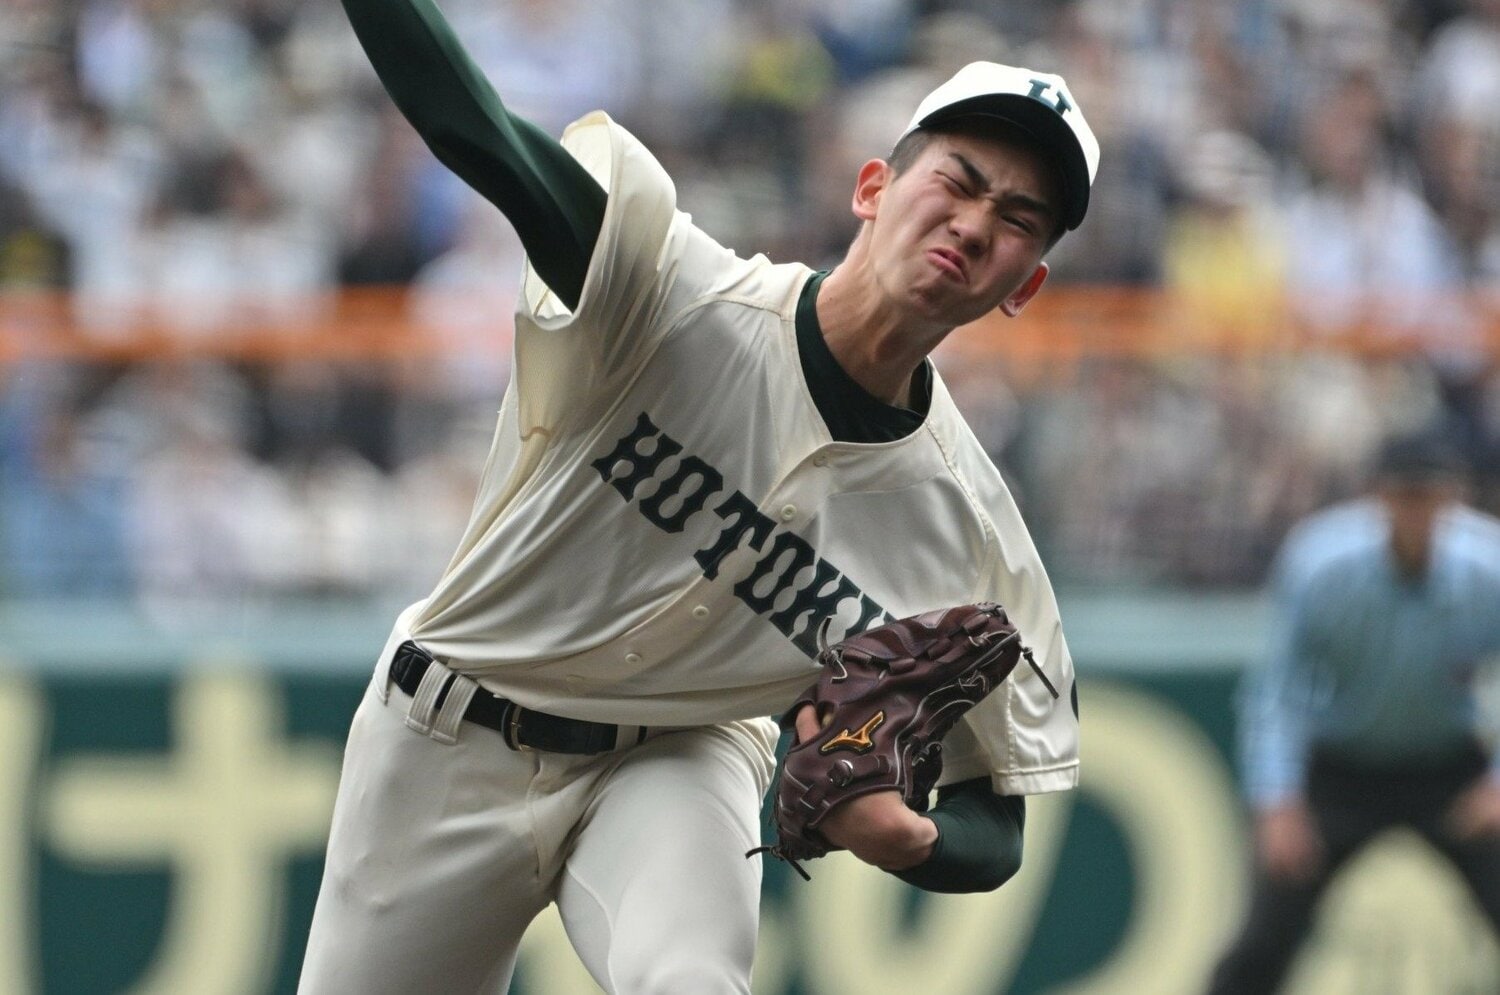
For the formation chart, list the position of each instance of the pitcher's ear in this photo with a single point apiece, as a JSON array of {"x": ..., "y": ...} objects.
[
  {"x": 874, "y": 176},
  {"x": 1016, "y": 302}
]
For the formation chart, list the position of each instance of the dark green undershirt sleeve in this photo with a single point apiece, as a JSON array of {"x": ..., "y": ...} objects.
[
  {"x": 556, "y": 207},
  {"x": 979, "y": 839}
]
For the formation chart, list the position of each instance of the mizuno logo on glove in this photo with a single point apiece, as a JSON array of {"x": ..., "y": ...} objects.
[{"x": 857, "y": 740}]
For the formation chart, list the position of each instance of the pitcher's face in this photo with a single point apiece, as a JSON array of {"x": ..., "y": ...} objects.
[{"x": 962, "y": 231}]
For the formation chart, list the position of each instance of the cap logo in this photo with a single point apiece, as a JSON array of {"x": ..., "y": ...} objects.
[{"x": 1059, "y": 103}]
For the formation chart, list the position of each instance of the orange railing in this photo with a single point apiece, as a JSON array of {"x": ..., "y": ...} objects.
[{"x": 1063, "y": 326}]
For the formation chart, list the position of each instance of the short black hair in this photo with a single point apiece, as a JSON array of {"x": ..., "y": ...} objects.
[
  {"x": 911, "y": 146},
  {"x": 909, "y": 149}
]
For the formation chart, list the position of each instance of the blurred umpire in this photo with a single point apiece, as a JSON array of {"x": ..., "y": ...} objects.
[{"x": 1364, "y": 718}]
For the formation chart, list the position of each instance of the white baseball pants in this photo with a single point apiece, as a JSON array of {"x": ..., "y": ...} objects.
[{"x": 442, "y": 853}]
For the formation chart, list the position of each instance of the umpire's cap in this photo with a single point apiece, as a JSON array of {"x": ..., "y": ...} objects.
[
  {"x": 1426, "y": 455},
  {"x": 1036, "y": 103}
]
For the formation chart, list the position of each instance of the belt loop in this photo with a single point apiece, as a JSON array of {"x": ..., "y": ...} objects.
[
  {"x": 460, "y": 693},
  {"x": 419, "y": 716},
  {"x": 383, "y": 672}
]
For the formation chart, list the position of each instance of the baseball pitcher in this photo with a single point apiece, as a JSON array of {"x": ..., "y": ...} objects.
[{"x": 718, "y": 486}]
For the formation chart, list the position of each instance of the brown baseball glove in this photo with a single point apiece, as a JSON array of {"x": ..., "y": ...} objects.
[{"x": 885, "y": 700}]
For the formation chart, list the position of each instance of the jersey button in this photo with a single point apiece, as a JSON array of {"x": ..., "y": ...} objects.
[
  {"x": 632, "y": 658},
  {"x": 701, "y": 611},
  {"x": 788, "y": 512},
  {"x": 820, "y": 461}
]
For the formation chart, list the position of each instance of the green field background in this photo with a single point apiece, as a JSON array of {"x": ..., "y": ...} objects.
[{"x": 164, "y": 795}]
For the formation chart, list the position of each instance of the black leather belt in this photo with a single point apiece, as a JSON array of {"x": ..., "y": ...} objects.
[{"x": 522, "y": 728}]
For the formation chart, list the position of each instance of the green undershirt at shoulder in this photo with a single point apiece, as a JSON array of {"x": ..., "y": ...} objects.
[{"x": 849, "y": 411}]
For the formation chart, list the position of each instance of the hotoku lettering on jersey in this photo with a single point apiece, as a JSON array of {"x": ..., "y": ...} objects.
[{"x": 684, "y": 485}]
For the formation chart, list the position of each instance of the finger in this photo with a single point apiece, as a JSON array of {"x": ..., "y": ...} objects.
[{"x": 806, "y": 724}]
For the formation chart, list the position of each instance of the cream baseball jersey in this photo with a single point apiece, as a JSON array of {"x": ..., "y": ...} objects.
[{"x": 665, "y": 523}]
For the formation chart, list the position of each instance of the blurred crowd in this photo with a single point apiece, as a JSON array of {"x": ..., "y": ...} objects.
[{"x": 218, "y": 159}]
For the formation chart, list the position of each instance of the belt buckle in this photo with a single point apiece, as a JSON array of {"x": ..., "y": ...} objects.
[{"x": 512, "y": 731}]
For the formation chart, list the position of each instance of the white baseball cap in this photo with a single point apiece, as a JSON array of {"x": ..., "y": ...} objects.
[{"x": 1039, "y": 104}]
